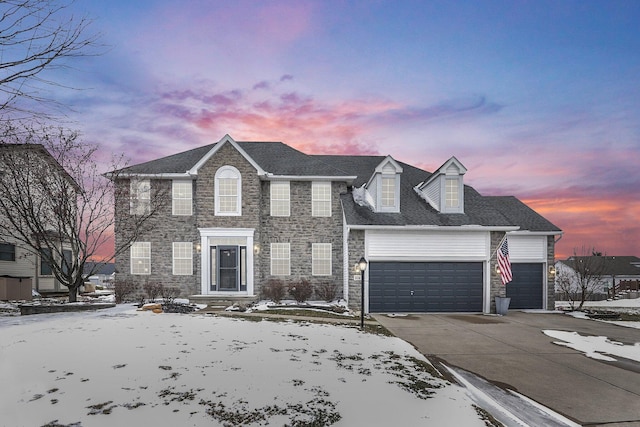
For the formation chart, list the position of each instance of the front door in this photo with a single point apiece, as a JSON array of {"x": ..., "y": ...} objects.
[{"x": 227, "y": 268}]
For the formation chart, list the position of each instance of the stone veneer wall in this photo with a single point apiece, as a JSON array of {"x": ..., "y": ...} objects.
[
  {"x": 497, "y": 288},
  {"x": 356, "y": 251},
  {"x": 301, "y": 230},
  {"x": 163, "y": 230}
]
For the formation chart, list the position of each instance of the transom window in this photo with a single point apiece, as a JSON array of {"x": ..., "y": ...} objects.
[
  {"x": 280, "y": 259},
  {"x": 321, "y": 259},
  {"x": 388, "y": 192},
  {"x": 141, "y": 258},
  {"x": 228, "y": 193},
  {"x": 182, "y": 258},
  {"x": 140, "y": 197},
  {"x": 182, "y": 194},
  {"x": 280, "y": 198},
  {"x": 452, "y": 193},
  {"x": 7, "y": 252},
  {"x": 321, "y": 198}
]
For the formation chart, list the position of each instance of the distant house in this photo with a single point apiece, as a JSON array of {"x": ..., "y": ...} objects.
[
  {"x": 618, "y": 272},
  {"x": 103, "y": 277},
  {"x": 242, "y": 213},
  {"x": 16, "y": 259}
]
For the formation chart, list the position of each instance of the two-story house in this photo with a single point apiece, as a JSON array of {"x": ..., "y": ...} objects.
[
  {"x": 242, "y": 213},
  {"x": 22, "y": 167}
]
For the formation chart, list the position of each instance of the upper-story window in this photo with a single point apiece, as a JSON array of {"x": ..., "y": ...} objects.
[
  {"x": 321, "y": 198},
  {"x": 228, "y": 193},
  {"x": 280, "y": 198},
  {"x": 452, "y": 193},
  {"x": 182, "y": 195},
  {"x": 140, "y": 197},
  {"x": 388, "y": 192},
  {"x": 7, "y": 252}
]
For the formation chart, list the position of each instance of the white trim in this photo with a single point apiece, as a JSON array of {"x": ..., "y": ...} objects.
[
  {"x": 205, "y": 257},
  {"x": 434, "y": 227},
  {"x": 271, "y": 177},
  {"x": 273, "y": 186},
  {"x": 234, "y": 174},
  {"x": 225, "y": 139},
  {"x": 185, "y": 175}
]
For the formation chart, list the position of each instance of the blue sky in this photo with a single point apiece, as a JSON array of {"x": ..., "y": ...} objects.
[{"x": 538, "y": 99}]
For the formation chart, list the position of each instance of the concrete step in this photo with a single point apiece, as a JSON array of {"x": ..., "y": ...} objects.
[{"x": 220, "y": 302}]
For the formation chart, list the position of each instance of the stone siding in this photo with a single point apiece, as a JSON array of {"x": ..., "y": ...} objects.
[
  {"x": 356, "y": 251},
  {"x": 497, "y": 288},
  {"x": 551, "y": 256}
]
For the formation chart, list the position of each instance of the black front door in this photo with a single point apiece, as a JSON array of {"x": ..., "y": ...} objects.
[{"x": 227, "y": 268}]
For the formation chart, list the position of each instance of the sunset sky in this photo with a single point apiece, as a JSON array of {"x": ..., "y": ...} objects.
[{"x": 538, "y": 99}]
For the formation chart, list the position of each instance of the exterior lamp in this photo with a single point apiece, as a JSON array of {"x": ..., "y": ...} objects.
[
  {"x": 362, "y": 264},
  {"x": 552, "y": 270},
  {"x": 497, "y": 269}
]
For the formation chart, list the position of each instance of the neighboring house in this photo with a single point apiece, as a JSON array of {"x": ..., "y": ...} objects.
[
  {"x": 618, "y": 270},
  {"x": 16, "y": 259},
  {"x": 104, "y": 276},
  {"x": 245, "y": 212}
]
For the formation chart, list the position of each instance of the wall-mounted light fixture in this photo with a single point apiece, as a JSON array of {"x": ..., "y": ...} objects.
[
  {"x": 256, "y": 249},
  {"x": 198, "y": 247},
  {"x": 497, "y": 269},
  {"x": 552, "y": 270}
]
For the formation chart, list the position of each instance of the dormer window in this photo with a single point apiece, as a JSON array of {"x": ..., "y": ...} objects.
[
  {"x": 382, "y": 192},
  {"x": 444, "y": 190}
]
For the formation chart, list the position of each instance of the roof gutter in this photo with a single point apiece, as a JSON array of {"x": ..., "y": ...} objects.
[
  {"x": 272, "y": 177},
  {"x": 434, "y": 228}
]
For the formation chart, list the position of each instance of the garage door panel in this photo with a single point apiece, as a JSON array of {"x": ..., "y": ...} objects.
[
  {"x": 425, "y": 287},
  {"x": 526, "y": 288}
]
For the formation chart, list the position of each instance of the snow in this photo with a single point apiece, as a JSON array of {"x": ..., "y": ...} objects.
[
  {"x": 121, "y": 366},
  {"x": 596, "y": 347}
]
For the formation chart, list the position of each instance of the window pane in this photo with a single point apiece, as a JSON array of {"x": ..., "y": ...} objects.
[
  {"x": 182, "y": 197},
  {"x": 321, "y": 259},
  {"x": 388, "y": 192},
  {"x": 280, "y": 259},
  {"x": 182, "y": 258},
  {"x": 280, "y": 198},
  {"x": 141, "y": 258},
  {"x": 321, "y": 199},
  {"x": 45, "y": 264},
  {"x": 140, "y": 196},
  {"x": 452, "y": 198},
  {"x": 7, "y": 252},
  {"x": 67, "y": 261}
]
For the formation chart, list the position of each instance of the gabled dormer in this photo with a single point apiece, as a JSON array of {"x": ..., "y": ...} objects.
[
  {"x": 444, "y": 190},
  {"x": 382, "y": 191}
]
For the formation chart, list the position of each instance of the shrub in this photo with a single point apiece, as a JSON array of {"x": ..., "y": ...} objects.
[
  {"x": 274, "y": 290},
  {"x": 301, "y": 291},
  {"x": 327, "y": 291},
  {"x": 122, "y": 289},
  {"x": 169, "y": 294},
  {"x": 152, "y": 289}
]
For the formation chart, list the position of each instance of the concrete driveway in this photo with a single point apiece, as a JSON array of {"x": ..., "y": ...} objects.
[{"x": 513, "y": 352}]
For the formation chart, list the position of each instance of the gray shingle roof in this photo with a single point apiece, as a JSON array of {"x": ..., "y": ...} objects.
[
  {"x": 614, "y": 265},
  {"x": 280, "y": 159}
]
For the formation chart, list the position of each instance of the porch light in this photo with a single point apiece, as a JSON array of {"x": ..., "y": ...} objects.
[
  {"x": 497, "y": 269},
  {"x": 362, "y": 264},
  {"x": 552, "y": 270},
  {"x": 198, "y": 247},
  {"x": 256, "y": 249}
]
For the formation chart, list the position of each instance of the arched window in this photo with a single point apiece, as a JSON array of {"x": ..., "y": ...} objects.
[{"x": 228, "y": 192}]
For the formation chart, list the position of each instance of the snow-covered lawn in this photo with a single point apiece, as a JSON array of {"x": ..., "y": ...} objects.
[{"x": 124, "y": 367}]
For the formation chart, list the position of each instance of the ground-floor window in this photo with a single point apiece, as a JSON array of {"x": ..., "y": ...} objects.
[
  {"x": 141, "y": 258},
  {"x": 321, "y": 259},
  {"x": 280, "y": 259},
  {"x": 7, "y": 252},
  {"x": 182, "y": 258}
]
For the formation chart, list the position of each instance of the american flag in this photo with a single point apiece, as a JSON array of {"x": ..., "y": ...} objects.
[{"x": 504, "y": 263}]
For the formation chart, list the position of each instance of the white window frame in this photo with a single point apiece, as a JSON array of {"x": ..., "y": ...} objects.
[
  {"x": 140, "y": 258},
  {"x": 280, "y": 197},
  {"x": 321, "y": 259},
  {"x": 139, "y": 196},
  {"x": 182, "y": 197},
  {"x": 280, "y": 259},
  {"x": 228, "y": 173},
  {"x": 385, "y": 193},
  {"x": 182, "y": 258},
  {"x": 321, "y": 198},
  {"x": 452, "y": 195}
]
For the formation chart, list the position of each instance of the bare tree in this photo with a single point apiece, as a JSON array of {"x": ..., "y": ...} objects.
[
  {"x": 55, "y": 202},
  {"x": 36, "y": 36},
  {"x": 581, "y": 275}
]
